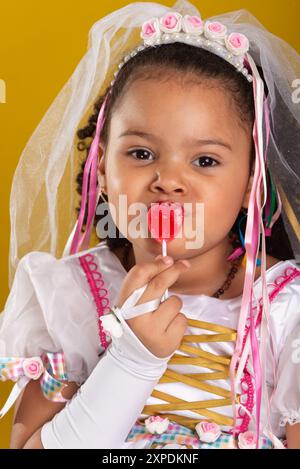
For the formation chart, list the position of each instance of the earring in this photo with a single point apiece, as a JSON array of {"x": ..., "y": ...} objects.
[
  {"x": 245, "y": 215},
  {"x": 101, "y": 194},
  {"x": 242, "y": 239},
  {"x": 238, "y": 251},
  {"x": 238, "y": 247}
]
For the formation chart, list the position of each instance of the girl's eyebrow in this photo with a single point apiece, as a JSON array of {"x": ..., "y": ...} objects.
[{"x": 193, "y": 141}]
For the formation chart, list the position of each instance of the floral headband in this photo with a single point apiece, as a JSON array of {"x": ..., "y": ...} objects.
[{"x": 209, "y": 35}]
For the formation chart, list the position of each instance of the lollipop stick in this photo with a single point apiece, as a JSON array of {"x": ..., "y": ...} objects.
[
  {"x": 158, "y": 216},
  {"x": 164, "y": 248},
  {"x": 164, "y": 253}
]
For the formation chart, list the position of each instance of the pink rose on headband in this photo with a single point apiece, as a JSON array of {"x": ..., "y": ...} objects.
[
  {"x": 247, "y": 440},
  {"x": 237, "y": 43},
  {"x": 171, "y": 22},
  {"x": 215, "y": 30},
  {"x": 192, "y": 24},
  {"x": 150, "y": 30},
  {"x": 33, "y": 367},
  {"x": 208, "y": 432}
]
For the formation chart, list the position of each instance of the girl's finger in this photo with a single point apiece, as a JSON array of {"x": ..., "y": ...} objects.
[
  {"x": 158, "y": 284},
  {"x": 166, "y": 312},
  {"x": 141, "y": 274},
  {"x": 176, "y": 329}
]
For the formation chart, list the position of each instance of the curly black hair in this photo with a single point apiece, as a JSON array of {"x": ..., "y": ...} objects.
[{"x": 162, "y": 63}]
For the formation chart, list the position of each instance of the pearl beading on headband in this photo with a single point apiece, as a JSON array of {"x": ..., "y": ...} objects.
[{"x": 209, "y": 35}]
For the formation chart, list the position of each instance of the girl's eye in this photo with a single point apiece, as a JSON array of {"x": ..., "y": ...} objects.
[
  {"x": 205, "y": 162},
  {"x": 142, "y": 152}
]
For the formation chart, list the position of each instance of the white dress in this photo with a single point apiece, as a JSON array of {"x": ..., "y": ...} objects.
[{"x": 50, "y": 308}]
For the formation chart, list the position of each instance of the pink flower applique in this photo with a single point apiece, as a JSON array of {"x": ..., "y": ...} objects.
[
  {"x": 171, "y": 22},
  {"x": 215, "y": 30},
  {"x": 247, "y": 440},
  {"x": 192, "y": 25},
  {"x": 33, "y": 367},
  {"x": 150, "y": 31},
  {"x": 208, "y": 432},
  {"x": 156, "y": 424},
  {"x": 237, "y": 43}
]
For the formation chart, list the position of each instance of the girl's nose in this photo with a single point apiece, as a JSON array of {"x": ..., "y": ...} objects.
[{"x": 168, "y": 181}]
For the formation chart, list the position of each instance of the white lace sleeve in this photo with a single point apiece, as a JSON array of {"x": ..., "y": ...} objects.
[{"x": 286, "y": 399}]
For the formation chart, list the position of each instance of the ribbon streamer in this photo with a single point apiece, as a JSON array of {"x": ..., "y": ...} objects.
[{"x": 129, "y": 308}]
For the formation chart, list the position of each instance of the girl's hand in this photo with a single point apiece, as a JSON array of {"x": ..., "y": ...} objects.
[{"x": 161, "y": 331}]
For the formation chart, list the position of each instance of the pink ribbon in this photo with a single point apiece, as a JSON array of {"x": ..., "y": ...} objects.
[
  {"x": 89, "y": 189},
  {"x": 251, "y": 246}
]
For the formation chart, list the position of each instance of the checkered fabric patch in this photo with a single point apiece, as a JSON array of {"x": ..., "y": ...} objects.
[
  {"x": 181, "y": 435},
  {"x": 10, "y": 368},
  {"x": 52, "y": 387}
]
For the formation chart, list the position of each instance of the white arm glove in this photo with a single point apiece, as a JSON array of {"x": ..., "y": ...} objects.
[{"x": 108, "y": 404}]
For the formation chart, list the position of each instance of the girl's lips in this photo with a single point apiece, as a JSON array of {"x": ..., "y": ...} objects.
[
  {"x": 168, "y": 202},
  {"x": 165, "y": 219}
]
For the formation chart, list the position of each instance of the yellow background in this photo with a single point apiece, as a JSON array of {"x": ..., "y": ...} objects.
[{"x": 40, "y": 45}]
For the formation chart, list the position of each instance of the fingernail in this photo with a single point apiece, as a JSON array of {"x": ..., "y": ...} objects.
[
  {"x": 186, "y": 263},
  {"x": 167, "y": 260}
]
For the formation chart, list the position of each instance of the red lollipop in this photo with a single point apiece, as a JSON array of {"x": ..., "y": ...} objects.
[{"x": 164, "y": 222}]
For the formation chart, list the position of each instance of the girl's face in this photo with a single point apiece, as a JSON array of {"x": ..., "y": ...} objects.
[{"x": 170, "y": 141}]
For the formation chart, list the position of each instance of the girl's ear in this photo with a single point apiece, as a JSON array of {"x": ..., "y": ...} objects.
[{"x": 248, "y": 191}]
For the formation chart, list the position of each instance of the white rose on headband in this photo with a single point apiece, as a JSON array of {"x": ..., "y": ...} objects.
[
  {"x": 171, "y": 22},
  {"x": 156, "y": 424},
  {"x": 150, "y": 31},
  {"x": 112, "y": 325},
  {"x": 215, "y": 30},
  {"x": 192, "y": 25},
  {"x": 237, "y": 43}
]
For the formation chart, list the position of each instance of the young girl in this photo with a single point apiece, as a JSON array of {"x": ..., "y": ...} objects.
[{"x": 100, "y": 360}]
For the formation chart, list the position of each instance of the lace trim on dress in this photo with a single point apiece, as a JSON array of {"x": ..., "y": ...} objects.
[
  {"x": 100, "y": 296},
  {"x": 289, "y": 417}
]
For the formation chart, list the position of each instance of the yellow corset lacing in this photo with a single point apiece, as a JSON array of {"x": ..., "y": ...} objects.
[{"x": 219, "y": 363}]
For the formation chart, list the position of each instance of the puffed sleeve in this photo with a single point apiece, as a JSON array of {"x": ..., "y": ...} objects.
[
  {"x": 286, "y": 398},
  {"x": 48, "y": 329},
  {"x": 23, "y": 330}
]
